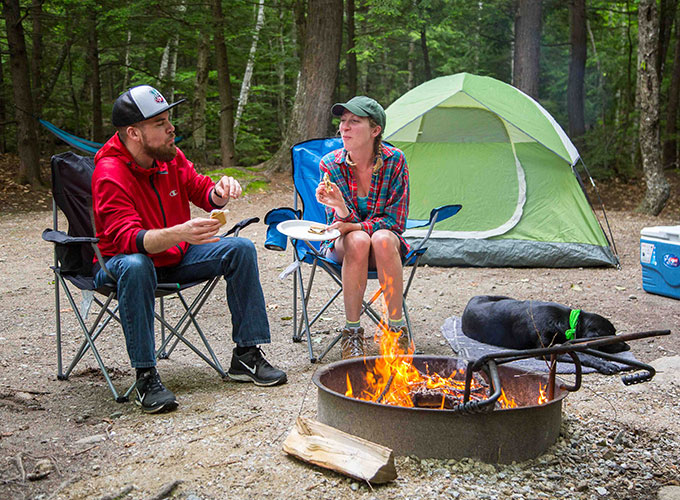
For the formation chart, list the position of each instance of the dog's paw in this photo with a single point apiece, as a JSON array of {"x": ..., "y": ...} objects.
[{"x": 607, "y": 368}]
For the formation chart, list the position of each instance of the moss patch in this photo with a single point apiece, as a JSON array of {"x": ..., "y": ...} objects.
[{"x": 250, "y": 178}]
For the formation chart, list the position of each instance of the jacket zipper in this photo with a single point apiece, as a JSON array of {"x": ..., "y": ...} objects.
[
  {"x": 160, "y": 202},
  {"x": 160, "y": 205}
]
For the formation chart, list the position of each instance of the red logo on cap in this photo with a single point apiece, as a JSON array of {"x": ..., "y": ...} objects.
[{"x": 157, "y": 96}]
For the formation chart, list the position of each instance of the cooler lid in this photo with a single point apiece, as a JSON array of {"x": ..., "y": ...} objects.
[{"x": 671, "y": 233}]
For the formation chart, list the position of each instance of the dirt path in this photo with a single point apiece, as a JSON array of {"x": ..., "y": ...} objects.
[{"x": 225, "y": 439}]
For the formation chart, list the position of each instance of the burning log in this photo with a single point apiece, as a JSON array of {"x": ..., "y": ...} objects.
[
  {"x": 444, "y": 397},
  {"x": 328, "y": 447}
]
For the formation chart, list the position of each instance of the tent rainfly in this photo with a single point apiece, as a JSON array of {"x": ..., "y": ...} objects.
[{"x": 484, "y": 144}]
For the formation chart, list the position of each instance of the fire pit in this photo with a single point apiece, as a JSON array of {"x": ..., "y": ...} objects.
[
  {"x": 515, "y": 415},
  {"x": 504, "y": 435}
]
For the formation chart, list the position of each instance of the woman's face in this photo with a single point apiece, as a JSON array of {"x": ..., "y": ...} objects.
[{"x": 356, "y": 131}]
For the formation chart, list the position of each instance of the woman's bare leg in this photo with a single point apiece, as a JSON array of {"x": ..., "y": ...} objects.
[
  {"x": 387, "y": 260},
  {"x": 353, "y": 249}
]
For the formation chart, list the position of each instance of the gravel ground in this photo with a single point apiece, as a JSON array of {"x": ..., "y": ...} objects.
[{"x": 225, "y": 439}]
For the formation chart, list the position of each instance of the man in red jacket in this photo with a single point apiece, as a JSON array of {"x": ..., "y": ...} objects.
[{"x": 141, "y": 188}]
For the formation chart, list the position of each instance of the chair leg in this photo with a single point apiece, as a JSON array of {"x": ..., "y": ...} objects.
[
  {"x": 188, "y": 318},
  {"x": 297, "y": 337},
  {"x": 90, "y": 344},
  {"x": 308, "y": 331},
  {"x": 163, "y": 354},
  {"x": 57, "y": 310}
]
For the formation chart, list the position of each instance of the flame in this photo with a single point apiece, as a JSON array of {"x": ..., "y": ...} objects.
[
  {"x": 505, "y": 402},
  {"x": 349, "y": 392},
  {"x": 394, "y": 379}
]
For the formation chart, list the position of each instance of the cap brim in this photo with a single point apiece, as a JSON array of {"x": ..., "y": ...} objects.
[
  {"x": 166, "y": 109},
  {"x": 339, "y": 108}
]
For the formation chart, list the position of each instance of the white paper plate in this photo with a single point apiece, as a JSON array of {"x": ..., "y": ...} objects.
[{"x": 299, "y": 229}]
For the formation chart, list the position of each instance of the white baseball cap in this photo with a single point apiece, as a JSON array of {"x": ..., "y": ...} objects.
[{"x": 138, "y": 104}]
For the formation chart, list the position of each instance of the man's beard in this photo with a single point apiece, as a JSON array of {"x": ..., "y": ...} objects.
[{"x": 163, "y": 153}]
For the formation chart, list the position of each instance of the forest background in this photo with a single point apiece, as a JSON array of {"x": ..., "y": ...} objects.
[{"x": 260, "y": 75}]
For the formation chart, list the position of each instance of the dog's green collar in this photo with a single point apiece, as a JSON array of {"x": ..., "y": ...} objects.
[{"x": 573, "y": 319}]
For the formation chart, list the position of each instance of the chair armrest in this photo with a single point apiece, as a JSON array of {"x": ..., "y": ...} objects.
[
  {"x": 275, "y": 239},
  {"x": 61, "y": 238},
  {"x": 236, "y": 228},
  {"x": 437, "y": 214}
]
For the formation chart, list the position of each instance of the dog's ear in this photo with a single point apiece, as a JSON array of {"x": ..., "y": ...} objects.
[{"x": 593, "y": 325}]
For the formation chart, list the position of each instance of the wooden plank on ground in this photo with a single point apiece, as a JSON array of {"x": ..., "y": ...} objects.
[{"x": 333, "y": 449}]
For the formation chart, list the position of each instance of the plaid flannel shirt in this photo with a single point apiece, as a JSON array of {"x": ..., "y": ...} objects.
[{"x": 388, "y": 196}]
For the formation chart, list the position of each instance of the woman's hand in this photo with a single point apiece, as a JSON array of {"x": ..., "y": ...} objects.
[
  {"x": 332, "y": 198},
  {"x": 345, "y": 227}
]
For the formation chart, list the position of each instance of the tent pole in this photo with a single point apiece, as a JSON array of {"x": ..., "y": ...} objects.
[{"x": 612, "y": 243}]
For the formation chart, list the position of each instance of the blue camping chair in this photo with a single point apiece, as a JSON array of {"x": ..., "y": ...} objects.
[{"x": 305, "y": 160}]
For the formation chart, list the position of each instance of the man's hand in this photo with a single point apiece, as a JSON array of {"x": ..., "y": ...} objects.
[
  {"x": 198, "y": 231},
  {"x": 195, "y": 232},
  {"x": 225, "y": 189}
]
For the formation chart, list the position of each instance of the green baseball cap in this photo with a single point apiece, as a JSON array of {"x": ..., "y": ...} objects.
[{"x": 362, "y": 106}]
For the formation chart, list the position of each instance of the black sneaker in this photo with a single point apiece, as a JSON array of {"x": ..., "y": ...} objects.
[
  {"x": 152, "y": 395},
  {"x": 252, "y": 367}
]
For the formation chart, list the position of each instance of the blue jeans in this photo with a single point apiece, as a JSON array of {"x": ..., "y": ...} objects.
[{"x": 234, "y": 258}]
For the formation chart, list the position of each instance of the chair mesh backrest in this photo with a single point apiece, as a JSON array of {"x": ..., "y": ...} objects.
[{"x": 72, "y": 192}]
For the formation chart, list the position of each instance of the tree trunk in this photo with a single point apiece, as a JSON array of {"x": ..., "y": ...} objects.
[
  {"x": 165, "y": 61},
  {"x": 281, "y": 104},
  {"x": 48, "y": 87},
  {"x": 310, "y": 116},
  {"x": 411, "y": 67},
  {"x": 200, "y": 90},
  {"x": 351, "y": 55},
  {"x": 126, "y": 79},
  {"x": 224, "y": 87},
  {"x": 36, "y": 54},
  {"x": 27, "y": 134},
  {"x": 3, "y": 110},
  {"x": 245, "y": 84},
  {"x": 667, "y": 10},
  {"x": 527, "y": 46},
  {"x": 95, "y": 81},
  {"x": 670, "y": 145},
  {"x": 577, "y": 68},
  {"x": 427, "y": 68},
  {"x": 658, "y": 189}
]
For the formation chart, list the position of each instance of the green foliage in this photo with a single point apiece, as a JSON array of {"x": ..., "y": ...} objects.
[{"x": 461, "y": 35}]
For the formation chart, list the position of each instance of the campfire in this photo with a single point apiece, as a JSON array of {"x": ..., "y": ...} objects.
[
  {"x": 394, "y": 380},
  {"x": 444, "y": 407}
]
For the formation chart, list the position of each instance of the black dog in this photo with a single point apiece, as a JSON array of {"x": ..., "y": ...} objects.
[{"x": 531, "y": 324}]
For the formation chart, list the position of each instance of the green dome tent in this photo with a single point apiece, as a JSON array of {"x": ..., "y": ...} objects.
[{"x": 484, "y": 144}]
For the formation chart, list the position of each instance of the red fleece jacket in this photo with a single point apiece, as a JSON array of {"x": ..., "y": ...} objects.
[{"x": 128, "y": 200}]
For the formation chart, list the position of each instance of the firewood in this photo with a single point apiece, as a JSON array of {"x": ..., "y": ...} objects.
[{"x": 328, "y": 447}]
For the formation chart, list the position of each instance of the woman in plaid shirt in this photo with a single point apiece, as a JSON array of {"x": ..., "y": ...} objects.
[{"x": 365, "y": 189}]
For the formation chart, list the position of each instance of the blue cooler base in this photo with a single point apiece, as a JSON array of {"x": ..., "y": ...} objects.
[{"x": 660, "y": 267}]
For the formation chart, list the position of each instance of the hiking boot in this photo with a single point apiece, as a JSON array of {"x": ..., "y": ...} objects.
[
  {"x": 403, "y": 341},
  {"x": 151, "y": 394},
  {"x": 352, "y": 343},
  {"x": 252, "y": 367}
]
